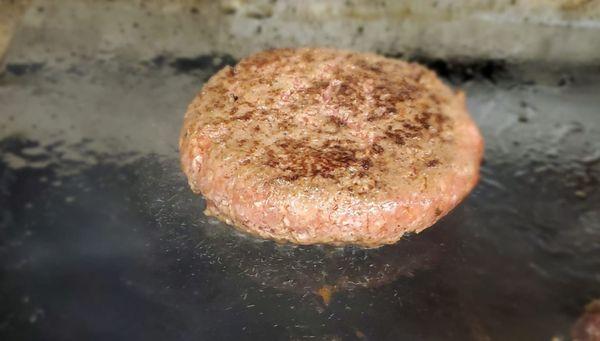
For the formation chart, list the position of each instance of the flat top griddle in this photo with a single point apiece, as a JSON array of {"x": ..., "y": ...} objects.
[{"x": 101, "y": 239}]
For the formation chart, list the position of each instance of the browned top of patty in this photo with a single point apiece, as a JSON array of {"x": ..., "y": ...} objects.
[{"x": 308, "y": 119}]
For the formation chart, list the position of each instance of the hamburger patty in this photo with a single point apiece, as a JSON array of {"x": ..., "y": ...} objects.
[{"x": 317, "y": 145}]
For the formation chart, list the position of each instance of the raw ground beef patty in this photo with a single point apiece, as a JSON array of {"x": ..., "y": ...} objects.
[{"x": 317, "y": 145}]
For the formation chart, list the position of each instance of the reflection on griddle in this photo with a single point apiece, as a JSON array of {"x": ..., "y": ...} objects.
[{"x": 320, "y": 270}]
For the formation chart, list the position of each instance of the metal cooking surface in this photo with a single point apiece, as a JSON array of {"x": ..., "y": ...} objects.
[{"x": 100, "y": 237}]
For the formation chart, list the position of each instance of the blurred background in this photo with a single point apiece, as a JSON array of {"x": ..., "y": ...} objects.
[
  {"x": 100, "y": 237},
  {"x": 557, "y": 31}
]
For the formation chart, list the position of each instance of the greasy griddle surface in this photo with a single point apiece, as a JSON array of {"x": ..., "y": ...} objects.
[{"x": 100, "y": 237}]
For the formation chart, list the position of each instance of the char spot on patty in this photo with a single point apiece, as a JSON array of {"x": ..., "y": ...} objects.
[
  {"x": 423, "y": 119},
  {"x": 296, "y": 159},
  {"x": 424, "y": 125},
  {"x": 366, "y": 163},
  {"x": 432, "y": 163},
  {"x": 396, "y": 135},
  {"x": 377, "y": 149}
]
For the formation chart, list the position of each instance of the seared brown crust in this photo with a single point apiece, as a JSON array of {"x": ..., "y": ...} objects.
[{"x": 328, "y": 146}]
